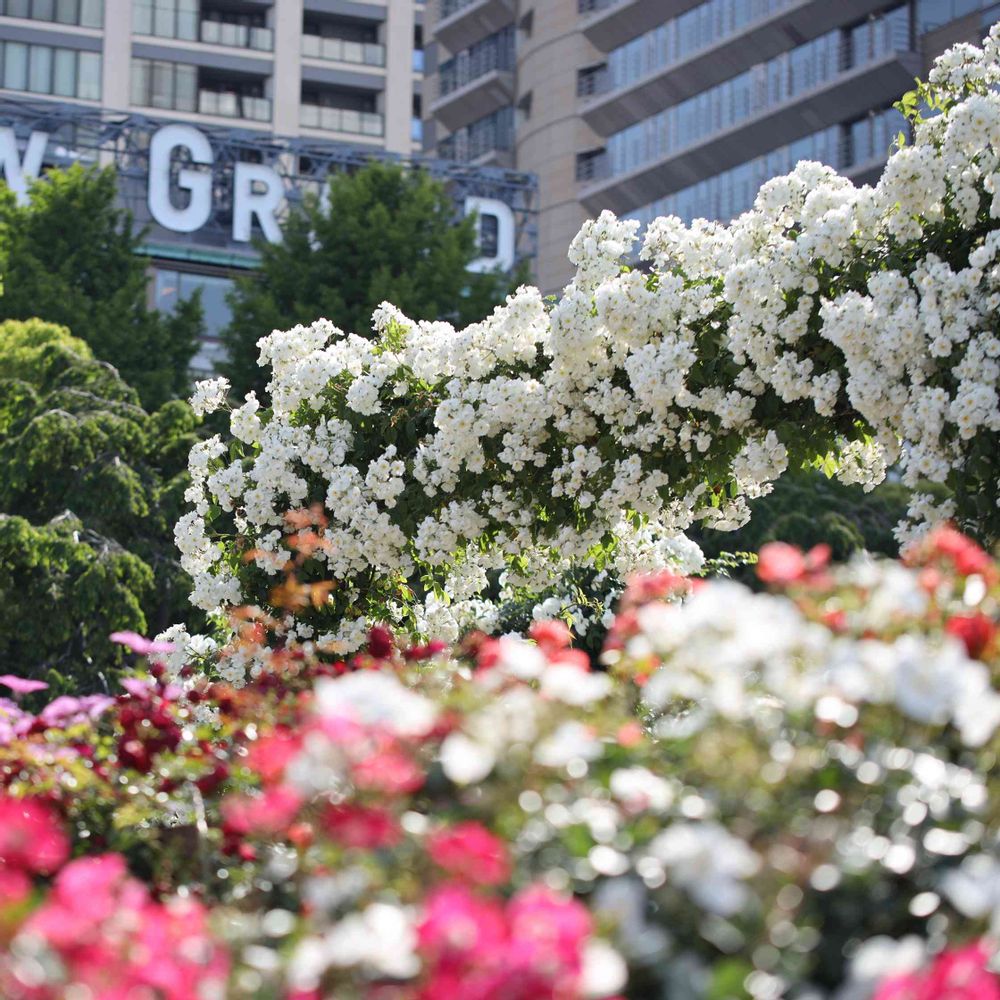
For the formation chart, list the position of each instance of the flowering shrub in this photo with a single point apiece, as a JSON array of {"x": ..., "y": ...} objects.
[
  {"x": 762, "y": 795},
  {"x": 831, "y": 324}
]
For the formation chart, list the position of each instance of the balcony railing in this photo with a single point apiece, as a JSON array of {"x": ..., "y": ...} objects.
[
  {"x": 168, "y": 21},
  {"x": 342, "y": 120},
  {"x": 239, "y": 36},
  {"x": 492, "y": 134},
  {"x": 449, "y": 7},
  {"x": 228, "y": 104},
  {"x": 493, "y": 53},
  {"x": 755, "y": 92},
  {"x": 342, "y": 50}
]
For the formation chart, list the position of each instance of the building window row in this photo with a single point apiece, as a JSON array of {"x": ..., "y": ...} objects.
[
  {"x": 174, "y": 86},
  {"x": 732, "y": 192},
  {"x": 933, "y": 14},
  {"x": 493, "y": 133},
  {"x": 682, "y": 36},
  {"x": 42, "y": 69},
  {"x": 189, "y": 20},
  {"x": 494, "y": 52},
  {"x": 759, "y": 88},
  {"x": 80, "y": 13}
]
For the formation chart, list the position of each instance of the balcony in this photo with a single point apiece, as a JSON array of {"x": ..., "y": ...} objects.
[
  {"x": 463, "y": 22},
  {"x": 476, "y": 82},
  {"x": 610, "y": 23},
  {"x": 163, "y": 20},
  {"x": 851, "y": 93},
  {"x": 343, "y": 51},
  {"x": 344, "y": 120},
  {"x": 481, "y": 96},
  {"x": 486, "y": 142},
  {"x": 240, "y": 36},
  {"x": 228, "y": 104},
  {"x": 609, "y": 109}
]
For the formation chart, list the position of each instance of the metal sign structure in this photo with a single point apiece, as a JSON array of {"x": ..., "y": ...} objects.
[{"x": 80, "y": 134}]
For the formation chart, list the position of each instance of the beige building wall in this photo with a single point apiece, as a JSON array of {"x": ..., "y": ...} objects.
[
  {"x": 286, "y": 83},
  {"x": 398, "y": 97},
  {"x": 550, "y": 132},
  {"x": 116, "y": 55}
]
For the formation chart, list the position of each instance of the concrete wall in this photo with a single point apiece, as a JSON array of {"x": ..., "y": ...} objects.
[{"x": 551, "y": 133}]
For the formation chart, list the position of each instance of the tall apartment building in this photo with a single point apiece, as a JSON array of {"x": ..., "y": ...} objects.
[
  {"x": 684, "y": 107},
  {"x": 348, "y": 70}
]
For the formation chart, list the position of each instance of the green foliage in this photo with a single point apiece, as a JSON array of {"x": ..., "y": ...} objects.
[
  {"x": 69, "y": 256},
  {"x": 73, "y": 438},
  {"x": 62, "y": 592},
  {"x": 390, "y": 234},
  {"x": 807, "y": 508}
]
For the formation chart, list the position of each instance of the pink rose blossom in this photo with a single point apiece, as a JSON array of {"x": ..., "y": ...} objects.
[
  {"x": 470, "y": 851},
  {"x": 31, "y": 838},
  {"x": 140, "y": 644},
  {"x": 22, "y": 685}
]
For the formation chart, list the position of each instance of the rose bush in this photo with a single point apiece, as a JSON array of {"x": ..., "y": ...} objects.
[
  {"x": 762, "y": 795},
  {"x": 462, "y": 469}
]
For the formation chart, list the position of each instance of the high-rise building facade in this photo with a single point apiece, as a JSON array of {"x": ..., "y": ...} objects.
[{"x": 684, "y": 107}]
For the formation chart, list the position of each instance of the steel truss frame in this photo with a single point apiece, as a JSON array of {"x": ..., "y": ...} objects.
[{"x": 78, "y": 133}]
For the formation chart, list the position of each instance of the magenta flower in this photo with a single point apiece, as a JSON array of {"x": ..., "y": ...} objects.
[
  {"x": 22, "y": 685},
  {"x": 140, "y": 644}
]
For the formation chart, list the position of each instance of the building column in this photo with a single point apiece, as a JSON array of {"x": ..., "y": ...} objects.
[
  {"x": 286, "y": 84},
  {"x": 116, "y": 56},
  {"x": 398, "y": 76}
]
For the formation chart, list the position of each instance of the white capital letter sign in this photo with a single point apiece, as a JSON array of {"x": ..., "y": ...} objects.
[
  {"x": 163, "y": 210},
  {"x": 247, "y": 203},
  {"x": 504, "y": 258},
  {"x": 18, "y": 172}
]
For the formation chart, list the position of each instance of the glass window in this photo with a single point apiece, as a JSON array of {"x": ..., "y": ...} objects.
[
  {"x": 166, "y": 287},
  {"x": 162, "y": 89},
  {"x": 140, "y": 81},
  {"x": 43, "y": 10},
  {"x": 142, "y": 17},
  {"x": 213, "y": 299},
  {"x": 186, "y": 93},
  {"x": 187, "y": 20},
  {"x": 40, "y": 69},
  {"x": 18, "y": 8},
  {"x": 89, "y": 76},
  {"x": 92, "y": 13},
  {"x": 64, "y": 73},
  {"x": 164, "y": 18},
  {"x": 66, "y": 12},
  {"x": 15, "y": 66}
]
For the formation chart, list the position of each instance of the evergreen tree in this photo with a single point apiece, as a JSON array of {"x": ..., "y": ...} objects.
[
  {"x": 69, "y": 256},
  {"x": 389, "y": 234},
  {"x": 90, "y": 487}
]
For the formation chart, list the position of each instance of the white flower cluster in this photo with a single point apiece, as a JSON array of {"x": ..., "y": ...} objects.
[{"x": 642, "y": 402}]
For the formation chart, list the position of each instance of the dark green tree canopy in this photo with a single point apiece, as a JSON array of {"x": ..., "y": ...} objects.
[
  {"x": 70, "y": 256},
  {"x": 389, "y": 234},
  {"x": 90, "y": 487}
]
